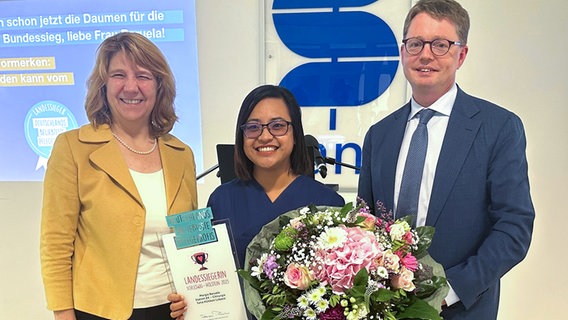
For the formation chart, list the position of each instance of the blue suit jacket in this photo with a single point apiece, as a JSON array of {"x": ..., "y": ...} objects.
[{"x": 480, "y": 203}]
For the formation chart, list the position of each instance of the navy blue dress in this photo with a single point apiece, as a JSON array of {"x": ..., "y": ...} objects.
[{"x": 248, "y": 208}]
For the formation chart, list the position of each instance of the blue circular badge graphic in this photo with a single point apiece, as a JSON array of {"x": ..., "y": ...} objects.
[{"x": 44, "y": 121}]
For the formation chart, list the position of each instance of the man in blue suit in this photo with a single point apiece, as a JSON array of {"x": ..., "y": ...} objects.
[{"x": 474, "y": 188}]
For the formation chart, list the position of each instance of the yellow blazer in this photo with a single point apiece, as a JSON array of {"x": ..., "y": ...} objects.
[{"x": 93, "y": 219}]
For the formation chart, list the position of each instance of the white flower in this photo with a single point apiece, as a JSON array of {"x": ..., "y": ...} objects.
[
  {"x": 310, "y": 314},
  {"x": 332, "y": 238},
  {"x": 256, "y": 271},
  {"x": 382, "y": 272},
  {"x": 303, "y": 302},
  {"x": 320, "y": 290},
  {"x": 314, "y": 296},
  {"x": 397, "y": 230},
  {"x": 322, "y": 305}
]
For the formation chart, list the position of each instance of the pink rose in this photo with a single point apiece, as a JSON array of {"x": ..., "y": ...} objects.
[
  {"x": 389, "y": 260},
  {"x": 297, "y": 276},
  {"x": 403, "y": 280}
]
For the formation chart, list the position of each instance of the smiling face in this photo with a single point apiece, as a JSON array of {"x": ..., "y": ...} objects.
[
  {"x": 268, "y": 152},
  {"x": 131, "y": 91},
  {"x": 429, "y": 75}
]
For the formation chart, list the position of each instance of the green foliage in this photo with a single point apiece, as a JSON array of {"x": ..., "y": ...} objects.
[
  {"x": 425, "y": 234},
  {"x": 384, "y": 295},
  {"x": 348, "y": 207},
  {"x": 334, "y": 300},
  {"x": 276, "y": 295},
  {"x": 427, "y": 287},
  {"x": 270, "y": 314},
  {"x": 418, "y": 309},
  {"x": 253, "y": 281},
  {"x": 359, "y": 283}
]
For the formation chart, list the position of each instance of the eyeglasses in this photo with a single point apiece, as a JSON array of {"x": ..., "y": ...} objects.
[
  {"x": 439, "y": 47},
  {"x": 254, "y": 129}
]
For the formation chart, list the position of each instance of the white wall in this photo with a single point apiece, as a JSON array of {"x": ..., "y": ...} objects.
[{"x": 516, "y": 59}]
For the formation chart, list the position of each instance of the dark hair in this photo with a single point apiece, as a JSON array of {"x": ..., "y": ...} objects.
[
  {"x": 299, "y": 159},
  {"x": 441, "y": 9},
  {"x": 144, "y": 53}
]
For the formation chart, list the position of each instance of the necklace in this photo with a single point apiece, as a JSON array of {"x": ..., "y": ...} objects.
[{"x": 134, "y": 150}]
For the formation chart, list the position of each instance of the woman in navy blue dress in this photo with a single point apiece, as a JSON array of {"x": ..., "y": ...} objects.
[
  {"x": 273, "y": 170},
  {"x": 272, "y": 166}
]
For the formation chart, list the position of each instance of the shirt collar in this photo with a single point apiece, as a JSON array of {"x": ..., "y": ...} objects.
[{"x": 443, "y": 105}]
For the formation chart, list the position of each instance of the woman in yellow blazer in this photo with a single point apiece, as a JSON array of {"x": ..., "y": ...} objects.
[{"x": 108, "y": 187}]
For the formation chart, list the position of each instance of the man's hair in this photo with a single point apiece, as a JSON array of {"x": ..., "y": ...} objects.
[{"x": 441, "y": 9}]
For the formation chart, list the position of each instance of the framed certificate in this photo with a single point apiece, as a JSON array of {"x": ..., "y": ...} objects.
[{"x": 206, "y": 274}]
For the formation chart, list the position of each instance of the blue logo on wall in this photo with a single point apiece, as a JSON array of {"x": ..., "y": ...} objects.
[{"x": 362, "y": 47}]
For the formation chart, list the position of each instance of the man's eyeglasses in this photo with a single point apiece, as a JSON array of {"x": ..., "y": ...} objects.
[
  {"x": 439, "y": 47},
  {"x": 276, "y": 128}
]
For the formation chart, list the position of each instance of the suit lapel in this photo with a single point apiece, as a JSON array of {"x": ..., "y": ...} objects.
[
  {"x": 460, "y": 134},
  {"x": 392, "y": 140}
]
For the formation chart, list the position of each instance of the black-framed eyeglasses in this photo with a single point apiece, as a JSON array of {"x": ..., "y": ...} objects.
[
  {"x": 439, "y": 47},
  {"x": 277, "y": 128}
]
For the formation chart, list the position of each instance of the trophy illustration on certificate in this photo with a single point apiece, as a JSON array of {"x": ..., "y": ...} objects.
[
  {"x": 212, "y": 292},
  {"x": 200, "y": 258}
]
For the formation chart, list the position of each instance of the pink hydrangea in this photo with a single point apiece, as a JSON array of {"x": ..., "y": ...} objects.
[{"x": 338, "y": 267}]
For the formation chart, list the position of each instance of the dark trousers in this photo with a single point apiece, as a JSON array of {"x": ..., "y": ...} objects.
[{"x": 161, "y": 312}]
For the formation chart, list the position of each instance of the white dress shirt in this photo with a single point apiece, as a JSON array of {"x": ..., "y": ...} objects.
[{"x": 436, "y": 131}]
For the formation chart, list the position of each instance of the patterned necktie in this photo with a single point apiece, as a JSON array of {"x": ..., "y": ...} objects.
[{"x": 412, "y": 175}]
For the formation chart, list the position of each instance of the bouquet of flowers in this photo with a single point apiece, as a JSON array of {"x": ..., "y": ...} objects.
[{"x": 333, "y": 263}]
